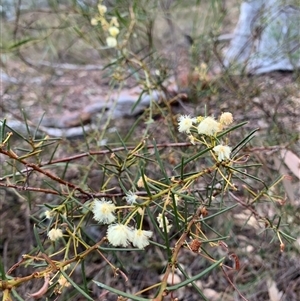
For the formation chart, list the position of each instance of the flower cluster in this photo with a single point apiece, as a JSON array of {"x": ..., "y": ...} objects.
[
  {"x": 122, "y": 235},
  {"x": 207, "y": 126},
  {"x": 112, "y": 27},
  {"x": 119, "y": 234}
]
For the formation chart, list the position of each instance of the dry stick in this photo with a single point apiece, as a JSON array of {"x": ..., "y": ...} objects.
[
  {"x": 43, "y": 290},
  {"x": 175, "y": 253},
  {"x": 102, "y": 152},
  {"x": 92, "y": 194},
  {"x": 232, "y": 284},
  {"x": 71, "y": 158},
  {"x": 114, "y": 150},
  {"x": 12, "y": 283},
  {"x": 27, "y": 188},
  {"x": 46, "y": 173}
]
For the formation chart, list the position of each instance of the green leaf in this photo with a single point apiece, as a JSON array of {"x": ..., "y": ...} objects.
[
  {"x": 37, "y": 238},
  {"x": 242, "y": 143},
  {"x": 193, "y": 284},
  {"x": 231, "y": 129},
  {"x": 119, "y": 293},
  {"x": 2, "y": 130},
  {"x": 77, "y": 287},
  {"x": 162, "y": 168},
  {"x": 248, "y": 176},
  {"x": 194, "y": 157},
  {"x": 287, "y": 237},
  {"x": 219, "y": 212},
  {"x": 196, "y": 277},
  {"x": 2, "y": 270},
  {"x": 21, "y": 42},
  {"x": 83, "y": 276},
  {"x": 17, "y": 296}
]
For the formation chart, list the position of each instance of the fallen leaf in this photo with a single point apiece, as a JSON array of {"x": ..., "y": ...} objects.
[
  {"x": 274, "y": 293},
  {"x": 288, "y": 186},
  {"x": 291, "y": 161}
]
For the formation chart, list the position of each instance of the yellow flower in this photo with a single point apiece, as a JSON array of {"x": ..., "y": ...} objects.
[
  {"x": 222, "y": 151},
  {"x": 55, "y": 234},
  {"x": 113, "y": 31},
  {"x": 111, "y": 42},
  {"x": 226, "y": 118}
]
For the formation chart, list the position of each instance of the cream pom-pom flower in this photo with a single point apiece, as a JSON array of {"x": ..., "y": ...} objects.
[
  {"x": 209, "y": 126},
  {"x": 140, "y": 238},
  {"x": 222, "y": 151},
  {"x": 104, "y": 211},
  {"x": 113, "y": 31},
  {"x": 111, "y": 42},
  {"x": 102, "y": 9},
  {"x": 131, "y": 197},
  {"x": 119, "y": 235},
  {"x": 55, "y": 234},
  {"x": 226, "y": 118},
  {"x": 185, "y": 122}
]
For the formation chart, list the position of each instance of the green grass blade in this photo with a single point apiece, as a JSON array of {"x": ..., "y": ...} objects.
[
  {"x": 160, "y": 163},
  {"x": 119, "y": 293},
  {"x": 193, "y": 157},
  {"x": 76, "y": 286},
  {"x": 37, "y": 238},
  {"x": 196, "y": 277}
]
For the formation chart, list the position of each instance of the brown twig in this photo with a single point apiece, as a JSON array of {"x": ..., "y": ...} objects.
[
  {"x": 27, "y": 188},
  {"x": 37, "y": 168}
]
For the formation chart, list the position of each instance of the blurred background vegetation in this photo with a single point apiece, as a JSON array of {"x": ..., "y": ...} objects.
[{"x": 55, "y": 63}]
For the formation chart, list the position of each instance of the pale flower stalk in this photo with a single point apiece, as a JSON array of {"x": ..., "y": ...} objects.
[
  {"x": 192, "y": 139},
  {"x": 140, "y": 238},
  {"x": 104, "y": 211},
  {"x": 55, "y": 234},
  {"x": 119, "y": 235},
  {"x": 223, "y": 152},
  {"x": 114, "y": 22}
]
